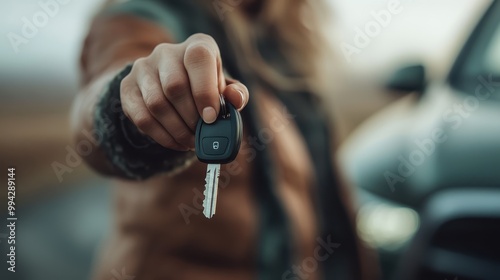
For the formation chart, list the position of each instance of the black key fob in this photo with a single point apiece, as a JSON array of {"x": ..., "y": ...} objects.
[{"x": 220, "y": 141}]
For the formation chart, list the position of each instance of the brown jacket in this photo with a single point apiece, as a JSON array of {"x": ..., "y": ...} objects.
[{"x": 159, "y": 231}]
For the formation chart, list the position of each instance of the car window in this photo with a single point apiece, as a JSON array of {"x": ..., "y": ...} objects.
[
  {"x": 491, "y": 60},
  {"x": 480, "y": 58}
]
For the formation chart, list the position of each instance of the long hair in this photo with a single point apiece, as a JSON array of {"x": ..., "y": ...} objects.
[{"x": 298, "y": 28}]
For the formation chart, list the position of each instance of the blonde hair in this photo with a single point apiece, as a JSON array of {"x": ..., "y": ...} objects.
[{"x": 298, "y": 27}]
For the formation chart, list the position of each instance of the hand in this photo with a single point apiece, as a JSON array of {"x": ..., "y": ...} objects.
[{"x": 166, "y": 92}]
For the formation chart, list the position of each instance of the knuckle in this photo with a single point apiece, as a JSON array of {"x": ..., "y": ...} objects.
[
  {"x": 126, "y": 90},
  {"x": 166, "y": 51},
  {"x": 175, "y": 87},
  {"x": 155, "y": 103},
  {"x": 140, "y": 67},
  {"x": 143, "y": 121},
  {"x": 162, "y": 47},
  {"x": 125, "y": 86},
  {"x": 140, "y": 63}
]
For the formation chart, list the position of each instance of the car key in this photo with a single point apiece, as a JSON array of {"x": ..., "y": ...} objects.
[{"x": 215, "y": 144}]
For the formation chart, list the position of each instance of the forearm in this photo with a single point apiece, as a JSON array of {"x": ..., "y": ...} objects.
[
  {"x": 82, "y": 122},
  {"x": 111, "y": 44}
]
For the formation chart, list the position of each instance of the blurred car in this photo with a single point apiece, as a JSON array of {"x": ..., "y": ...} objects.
[{"x": 442, "y": 143}]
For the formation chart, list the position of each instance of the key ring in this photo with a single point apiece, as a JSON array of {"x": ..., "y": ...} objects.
[{"x": 223, "y": 108}]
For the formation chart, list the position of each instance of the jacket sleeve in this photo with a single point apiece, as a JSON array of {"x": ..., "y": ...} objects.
[{"x": 119, "y": 35}]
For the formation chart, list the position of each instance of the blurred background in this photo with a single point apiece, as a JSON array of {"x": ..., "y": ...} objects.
[{"x": 396, "y": 84}]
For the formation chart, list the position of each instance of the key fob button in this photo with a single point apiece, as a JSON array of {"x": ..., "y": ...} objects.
[{"x": 215, "y": 145}]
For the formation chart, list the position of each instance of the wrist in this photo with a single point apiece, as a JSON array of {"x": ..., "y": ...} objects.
[{"x": 132, "y": 154}]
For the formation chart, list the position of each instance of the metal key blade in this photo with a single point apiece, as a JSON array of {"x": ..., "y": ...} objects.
[{"x": 211, "y": 188}]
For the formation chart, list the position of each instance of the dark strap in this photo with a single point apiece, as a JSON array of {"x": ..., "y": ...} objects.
[
  {"x": 275, "y": 241},
  {"x": 275, "y": 252},
  {"x": 335, "y": 226}
]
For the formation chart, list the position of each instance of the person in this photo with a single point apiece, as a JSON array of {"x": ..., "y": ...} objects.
[{"x": 150, "y": 70}]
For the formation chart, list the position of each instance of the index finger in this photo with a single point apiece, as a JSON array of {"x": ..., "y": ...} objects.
[{"x": 201, "y": 60}]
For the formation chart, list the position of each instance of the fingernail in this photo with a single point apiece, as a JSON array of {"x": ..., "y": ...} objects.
[
  {"x": 241, "y": 95},
  {"x": 209, "y": 115}
]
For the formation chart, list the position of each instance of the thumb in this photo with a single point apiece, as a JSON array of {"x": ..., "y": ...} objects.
[{"x": 236, "y": 93}]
